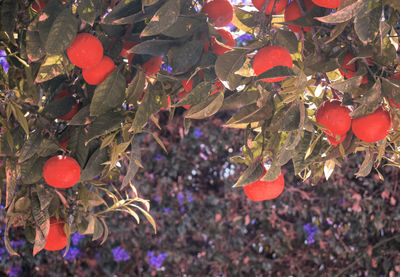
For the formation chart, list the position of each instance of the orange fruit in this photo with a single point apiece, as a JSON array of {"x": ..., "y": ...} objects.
[
  {"x": 220, "y": 12},
  {"x": 373, "y": 127},
  {"x": 335, "y": 117},
  {"x": 56, "y": 239},
  {"x": 293, "y": 12},
  {"x": 331, "y": 4},
  {"x": 279, "y": 6},
  {"x": 264, "y": 190},
  {"x": 61, "y": 171},
  {"x": 85, "y": 51},
  {"x": 97, "y": 74},
  {"x": 153, "y": 65},
  {"x": 227, "y": 39},
  {"x": 69, "y": 115},
  {"x": 269, "y": 57}
]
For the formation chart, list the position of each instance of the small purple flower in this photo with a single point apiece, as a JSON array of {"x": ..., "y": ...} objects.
[
  {"x": 311, "y": 232},
  {"x": 167, "y": 210},
  {"x": 156, "y": 261},
  {"x": 97, "y": 256},
  {"x": 120, "y": 254},
  {"x": 245, "y": 37},
  {"x": 198, "y": 133},
  {"x": 76, "y": 238},
  {"x": 17, "y": 243},
  {"x": 182, "y": 209},
  {"x": 166, "y": 67},
  {"x": 157, "y": 198},
  {"x": 3, "y": 60},
  {"x": 158, "y": 157},
  {"x": 2, "y": 251},
  {"x": 15, "y": 271},
  {"x": 180, "y": 197},
  {"x": 189, "y": 196},
  {"x": 72, "y": 254}
]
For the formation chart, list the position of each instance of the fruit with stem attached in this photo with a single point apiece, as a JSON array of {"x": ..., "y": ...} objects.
[{"x": 61, "y": 171}]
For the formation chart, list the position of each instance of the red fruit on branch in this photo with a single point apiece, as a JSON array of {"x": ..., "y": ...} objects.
[
  {"x": 373, "y": 127},
  {"x": 153, "y": 65},
  {"x": 335, "y": 117},
  {"x": 279, "y": 6},
  {"x": 269, "y": 57},
  {"x": 265, "y": 190},
  {"x": 85, "y": 51},
  {"x": 97, "y": 74},
  {"x": 56, "y": 239},
  {"x": 227, "y": 39},
  {"x": 75, "y": 108},
  {"x": 349, "y": 70},
  {"x": 220, "y": 12},
  {"x": 331, "y": 4},
  {"x": 61, "y": 171},
  {"x": 334, "y": 141},
  {"x": 293, "y": 12}
]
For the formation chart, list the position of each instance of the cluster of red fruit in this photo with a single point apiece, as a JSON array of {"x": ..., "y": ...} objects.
[
  {"x": 337, "y": 122},
  {"x": 59, "y": 172}
]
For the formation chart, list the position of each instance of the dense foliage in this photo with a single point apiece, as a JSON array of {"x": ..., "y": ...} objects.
[{"x": 89, "y": 79}]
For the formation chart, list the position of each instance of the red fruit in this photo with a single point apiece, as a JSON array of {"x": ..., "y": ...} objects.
[
  {"x": 126, "y": 46},
  {"x": 153, "y": 65},
  {"x": 97, "y": 74},
  {"x": 220, "y": 12},
  {"x": 56, "y": 239},
  {"x": 373, "y": 127},
  {"x": 334, "y": 117},
  {"x": 331, "y": 4},
  {"x": 279, "y": 6},
  {"x": 227, "y": 40},
  {"x": 264, "y": 190},
  {"x": 69, "y": 115},
  {"x": 269, "y": 57},
  {"x": 61, "y": 171},
  {"x": 85, "y": 51},
  {"x": 349, "y": 70},
  {"x": 39, "y": 7},
  {"x": 335, "y": 142},
  {"x": 293, "y": 12}
]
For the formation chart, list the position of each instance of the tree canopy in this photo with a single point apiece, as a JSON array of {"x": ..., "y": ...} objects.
[{"x": 91, "y": 97}]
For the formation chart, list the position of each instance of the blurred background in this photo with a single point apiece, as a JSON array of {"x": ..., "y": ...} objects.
[{"x": 344, "y": 226}]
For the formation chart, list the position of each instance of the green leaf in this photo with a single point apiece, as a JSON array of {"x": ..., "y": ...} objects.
[
  {"x": 59, "y": 107},
  {"x": 8, "y": 17},
  {"x": 45, "y": 195},
  {"x": 122, "y": 9},
  {"x": 7, "y": 242},
  {"x": 164, "y": 18},
  {"x": 16, "y": 110},
  {"x": 240, "y": 99},
  {"x": 82, "y": 117},
  {"x": 53, "y": 66},
  {"x": 153, "y": 47},
  {"x": 30, "y": 146},
  {"x": 184, "y": 26},
  {"x": 207, "y": 108},
  {"x": 98, "y": 229},
  {"x": 89, "y": 10},
  {"x": 11, "y": 180},
  {"x": 273, "y": 172},
  {"x": 348, "y": 85},
  {"x": 135, "y": 89},
  {"x": 151, "y": 104},
  {"x": 110, "y": 94},
  {"x": 34, "y": 47},
  {"x": 94, "y": 166},
  {"x": 183, "y": 58},
  {"x": 133, "y": 166},
  {"x": 346, "y": 13},
  {"x": 300, "y": 151},
  {"x": 286, "y": 39},
  {"x": 250, "y": 175},
  {"x": 366, "y": 166},
  {"x": 277, "y": 71},
  {"x": 367, "y": 25},
  {"x": 47, "y": 18},
  {"x": 149, "y": 2},
  {"x": 32, "y": 169},
  {"x": 78, "y": 147},
  {"x": 226, "y": 66},
  {"x": 196, "y": 95},
  {"x": 62, "y": 33},
  {"x": 42, "y": 222},
  {"x": 104, "y": 125}
]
